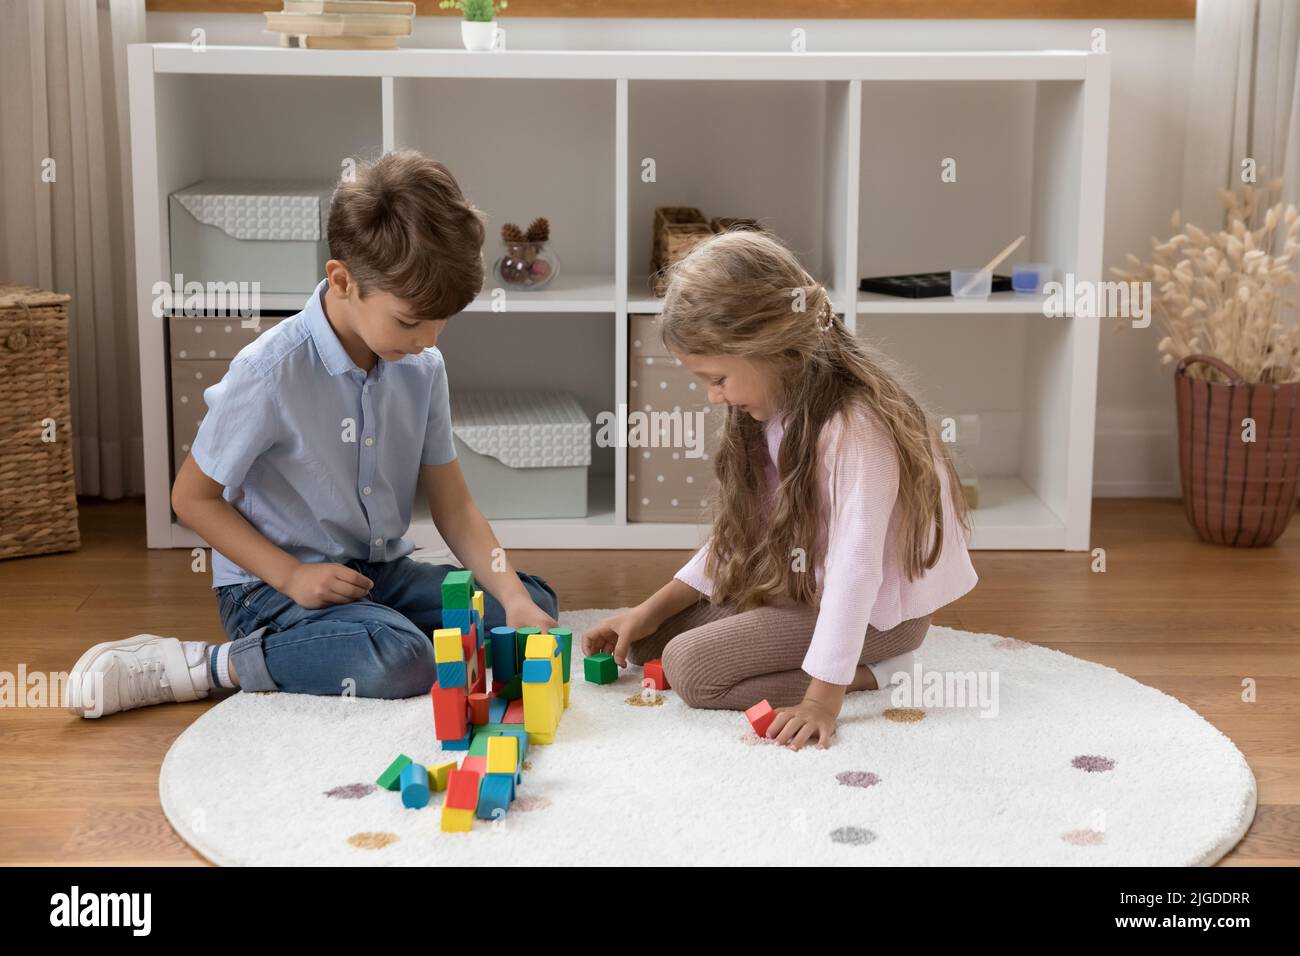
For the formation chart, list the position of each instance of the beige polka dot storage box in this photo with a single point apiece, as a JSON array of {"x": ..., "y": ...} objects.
[
  {"x": 38, "y": 494},
  {"x": 524, "y": 454},
  {"x": 672, "y": 431},
  {"x": 201, "y": 350}
]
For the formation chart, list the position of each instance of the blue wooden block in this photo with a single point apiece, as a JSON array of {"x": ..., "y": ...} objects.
[
  {"x": 504, "y": 663},
  {"x": 494, "y": 795},
  {"x": 497, "y": 709},
  {"x": 415, "y": 785},
  {"x": 522, "y": 735},
  {"x": 457, "y": 617},
  {"x": 460, "y": 743},
  {"x": 536, "y": 671},
  {"x": 452, "y": 674},
  {"x": 478, "y": 625}
]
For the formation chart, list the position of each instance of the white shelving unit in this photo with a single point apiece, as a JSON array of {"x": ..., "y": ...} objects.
[{"x": 839, "y": 153}]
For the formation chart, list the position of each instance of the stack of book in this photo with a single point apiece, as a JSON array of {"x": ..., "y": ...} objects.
[{"x": 342, "y": 24}]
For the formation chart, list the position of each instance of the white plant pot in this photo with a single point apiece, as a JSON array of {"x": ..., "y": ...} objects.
[{"x": 477, "y": 34}]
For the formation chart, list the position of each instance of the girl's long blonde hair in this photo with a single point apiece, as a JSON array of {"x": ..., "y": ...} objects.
[{"x": 743, "y": 293}]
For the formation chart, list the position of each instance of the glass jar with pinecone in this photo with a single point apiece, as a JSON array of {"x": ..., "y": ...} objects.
[{"x": 528, "y": 261}]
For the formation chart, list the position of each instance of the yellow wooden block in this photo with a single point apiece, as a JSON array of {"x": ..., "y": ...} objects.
[
  {"x": 540, "y": 646},
  {"x": 439, "y": 774},
  {"x": 447, "y": 646},
  {"x": 503, "y": 754},
  {"x": 541, "y": 715},
  {"x": 566, "y": 693},
  {"x": 477, "y": 603},
  {"x": 457, "y": 821}
]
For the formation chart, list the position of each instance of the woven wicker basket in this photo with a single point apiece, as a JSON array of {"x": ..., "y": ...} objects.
[
  {"x": 678, "y": 230},
  {"x": 1236, "y": 492},
  {"x": 38, "y": 496}
]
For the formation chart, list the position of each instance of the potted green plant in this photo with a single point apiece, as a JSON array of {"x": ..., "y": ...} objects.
[{"x": 478, "y": 29}]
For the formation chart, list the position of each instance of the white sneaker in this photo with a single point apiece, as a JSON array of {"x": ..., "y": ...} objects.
[{"x": 136, "y": 672}]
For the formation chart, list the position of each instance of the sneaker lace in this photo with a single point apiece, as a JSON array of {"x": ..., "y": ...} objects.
[{"x": 145, "y": 682}]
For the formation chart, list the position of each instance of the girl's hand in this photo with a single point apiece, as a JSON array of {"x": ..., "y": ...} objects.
[
  {"x": 617, "y": 633},
  {"x": 528, "y": 614},
  {"x": 794, "y": 726}
]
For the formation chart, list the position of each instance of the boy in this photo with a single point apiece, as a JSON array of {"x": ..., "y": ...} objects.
[{"x": 305, "y": 467}]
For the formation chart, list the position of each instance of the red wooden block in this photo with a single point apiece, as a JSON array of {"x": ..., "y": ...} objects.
[
  {"x": 478, "y": 708},
  {"x": 462, "y": 790},
  {"x": 476, "y": 764},
  {"x": 480, "y": 685},
  {"x": 760, "y": 717},
  {"x": 450, "y": 712},
  {"x": 514, "y": 712},
  {"x": 654, "y": 672}
]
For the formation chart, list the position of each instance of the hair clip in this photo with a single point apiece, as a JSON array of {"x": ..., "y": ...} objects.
[{"x": 830, "y": 316}]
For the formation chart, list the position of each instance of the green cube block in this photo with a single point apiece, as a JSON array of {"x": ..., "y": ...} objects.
[
  {"x": 600, "y": 669},
  {"x": 390, "y": 779},
  {"x": 458, "y": 589}
]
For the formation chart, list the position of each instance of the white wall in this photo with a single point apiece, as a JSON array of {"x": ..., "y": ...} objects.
[{"x": 1151, "y": 64}]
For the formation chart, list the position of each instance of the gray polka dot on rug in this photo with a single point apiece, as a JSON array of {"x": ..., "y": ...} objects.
[
  {"x": 1092, "y": 763},
  {"x": 857, "y": 778},
  {"x": 852, "y": 836},
  {"x": 352, "y": 791}
]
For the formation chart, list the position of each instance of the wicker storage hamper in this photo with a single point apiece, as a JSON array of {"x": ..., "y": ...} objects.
[{"x": 38, "y": 496}]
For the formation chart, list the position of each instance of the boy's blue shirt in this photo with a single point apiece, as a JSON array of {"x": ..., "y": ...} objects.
[{"x": 276, "y": 435}]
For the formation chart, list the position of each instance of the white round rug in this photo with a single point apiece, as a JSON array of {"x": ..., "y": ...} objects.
[{"x": 1048, "y": 760}]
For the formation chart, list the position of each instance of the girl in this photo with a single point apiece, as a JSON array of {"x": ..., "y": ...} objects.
[{"x": 824, "y": 464}]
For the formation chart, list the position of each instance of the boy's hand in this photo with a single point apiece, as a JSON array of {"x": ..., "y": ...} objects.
[
  {"x": 528, "y": 614},
  {"x": 795, "y": 725},
  {"x": 616, "y": 634},
  {"x": 315, "y": 585}
]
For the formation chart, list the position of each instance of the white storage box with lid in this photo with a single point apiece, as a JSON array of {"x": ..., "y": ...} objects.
[
  {"x": 525, "y": 454},
  {"x": 272, "y": 233}
]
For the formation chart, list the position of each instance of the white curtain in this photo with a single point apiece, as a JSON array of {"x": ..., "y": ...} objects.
[
  {"x": 1244, "y": 102},
  {"x": 63, "y": 116}
]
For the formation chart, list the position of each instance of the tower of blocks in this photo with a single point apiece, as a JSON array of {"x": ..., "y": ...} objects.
[{"x": 529, "y": 693}]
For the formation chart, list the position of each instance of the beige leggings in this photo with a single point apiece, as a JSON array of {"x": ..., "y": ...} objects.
[{"x": 717, "y": 659}]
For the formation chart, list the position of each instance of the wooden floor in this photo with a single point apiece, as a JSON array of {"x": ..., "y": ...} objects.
[{"x": 1191, "y": 619}]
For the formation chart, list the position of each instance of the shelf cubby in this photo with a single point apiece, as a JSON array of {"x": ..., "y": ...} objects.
[{"x": 838, "y": 153}]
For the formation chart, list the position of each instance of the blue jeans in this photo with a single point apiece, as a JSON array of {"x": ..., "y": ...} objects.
[{"x": 379, "y": 646}]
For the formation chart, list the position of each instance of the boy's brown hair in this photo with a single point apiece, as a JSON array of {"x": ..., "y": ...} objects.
[{"x": 404, "y": 227}]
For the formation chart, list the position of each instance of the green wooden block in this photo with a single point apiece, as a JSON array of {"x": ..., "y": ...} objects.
[
  {"x": 390, "y": 779},
  {"x": 458, "y": 589},
  {"x": 478, "y": 744},
  {"x": 564, "y": 637},
  {"x": 521, "y": 643},
  {"x": 600, "y": 668},
  {"x": 513, "y": 689}
]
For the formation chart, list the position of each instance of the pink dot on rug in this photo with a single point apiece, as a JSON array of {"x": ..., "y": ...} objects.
[
  {"x": 1084, "y": 837},
  {"x": 526, "y": 803},
  {"x": 1092, "y": 763},
  {"x": 857, "y": 778}
]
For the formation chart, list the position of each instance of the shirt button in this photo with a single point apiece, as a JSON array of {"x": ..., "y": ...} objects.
[
  {"x": 378, "y": 542},
  {"x": 370, "y": 441},
  {"x": 365, "y": 490}
]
